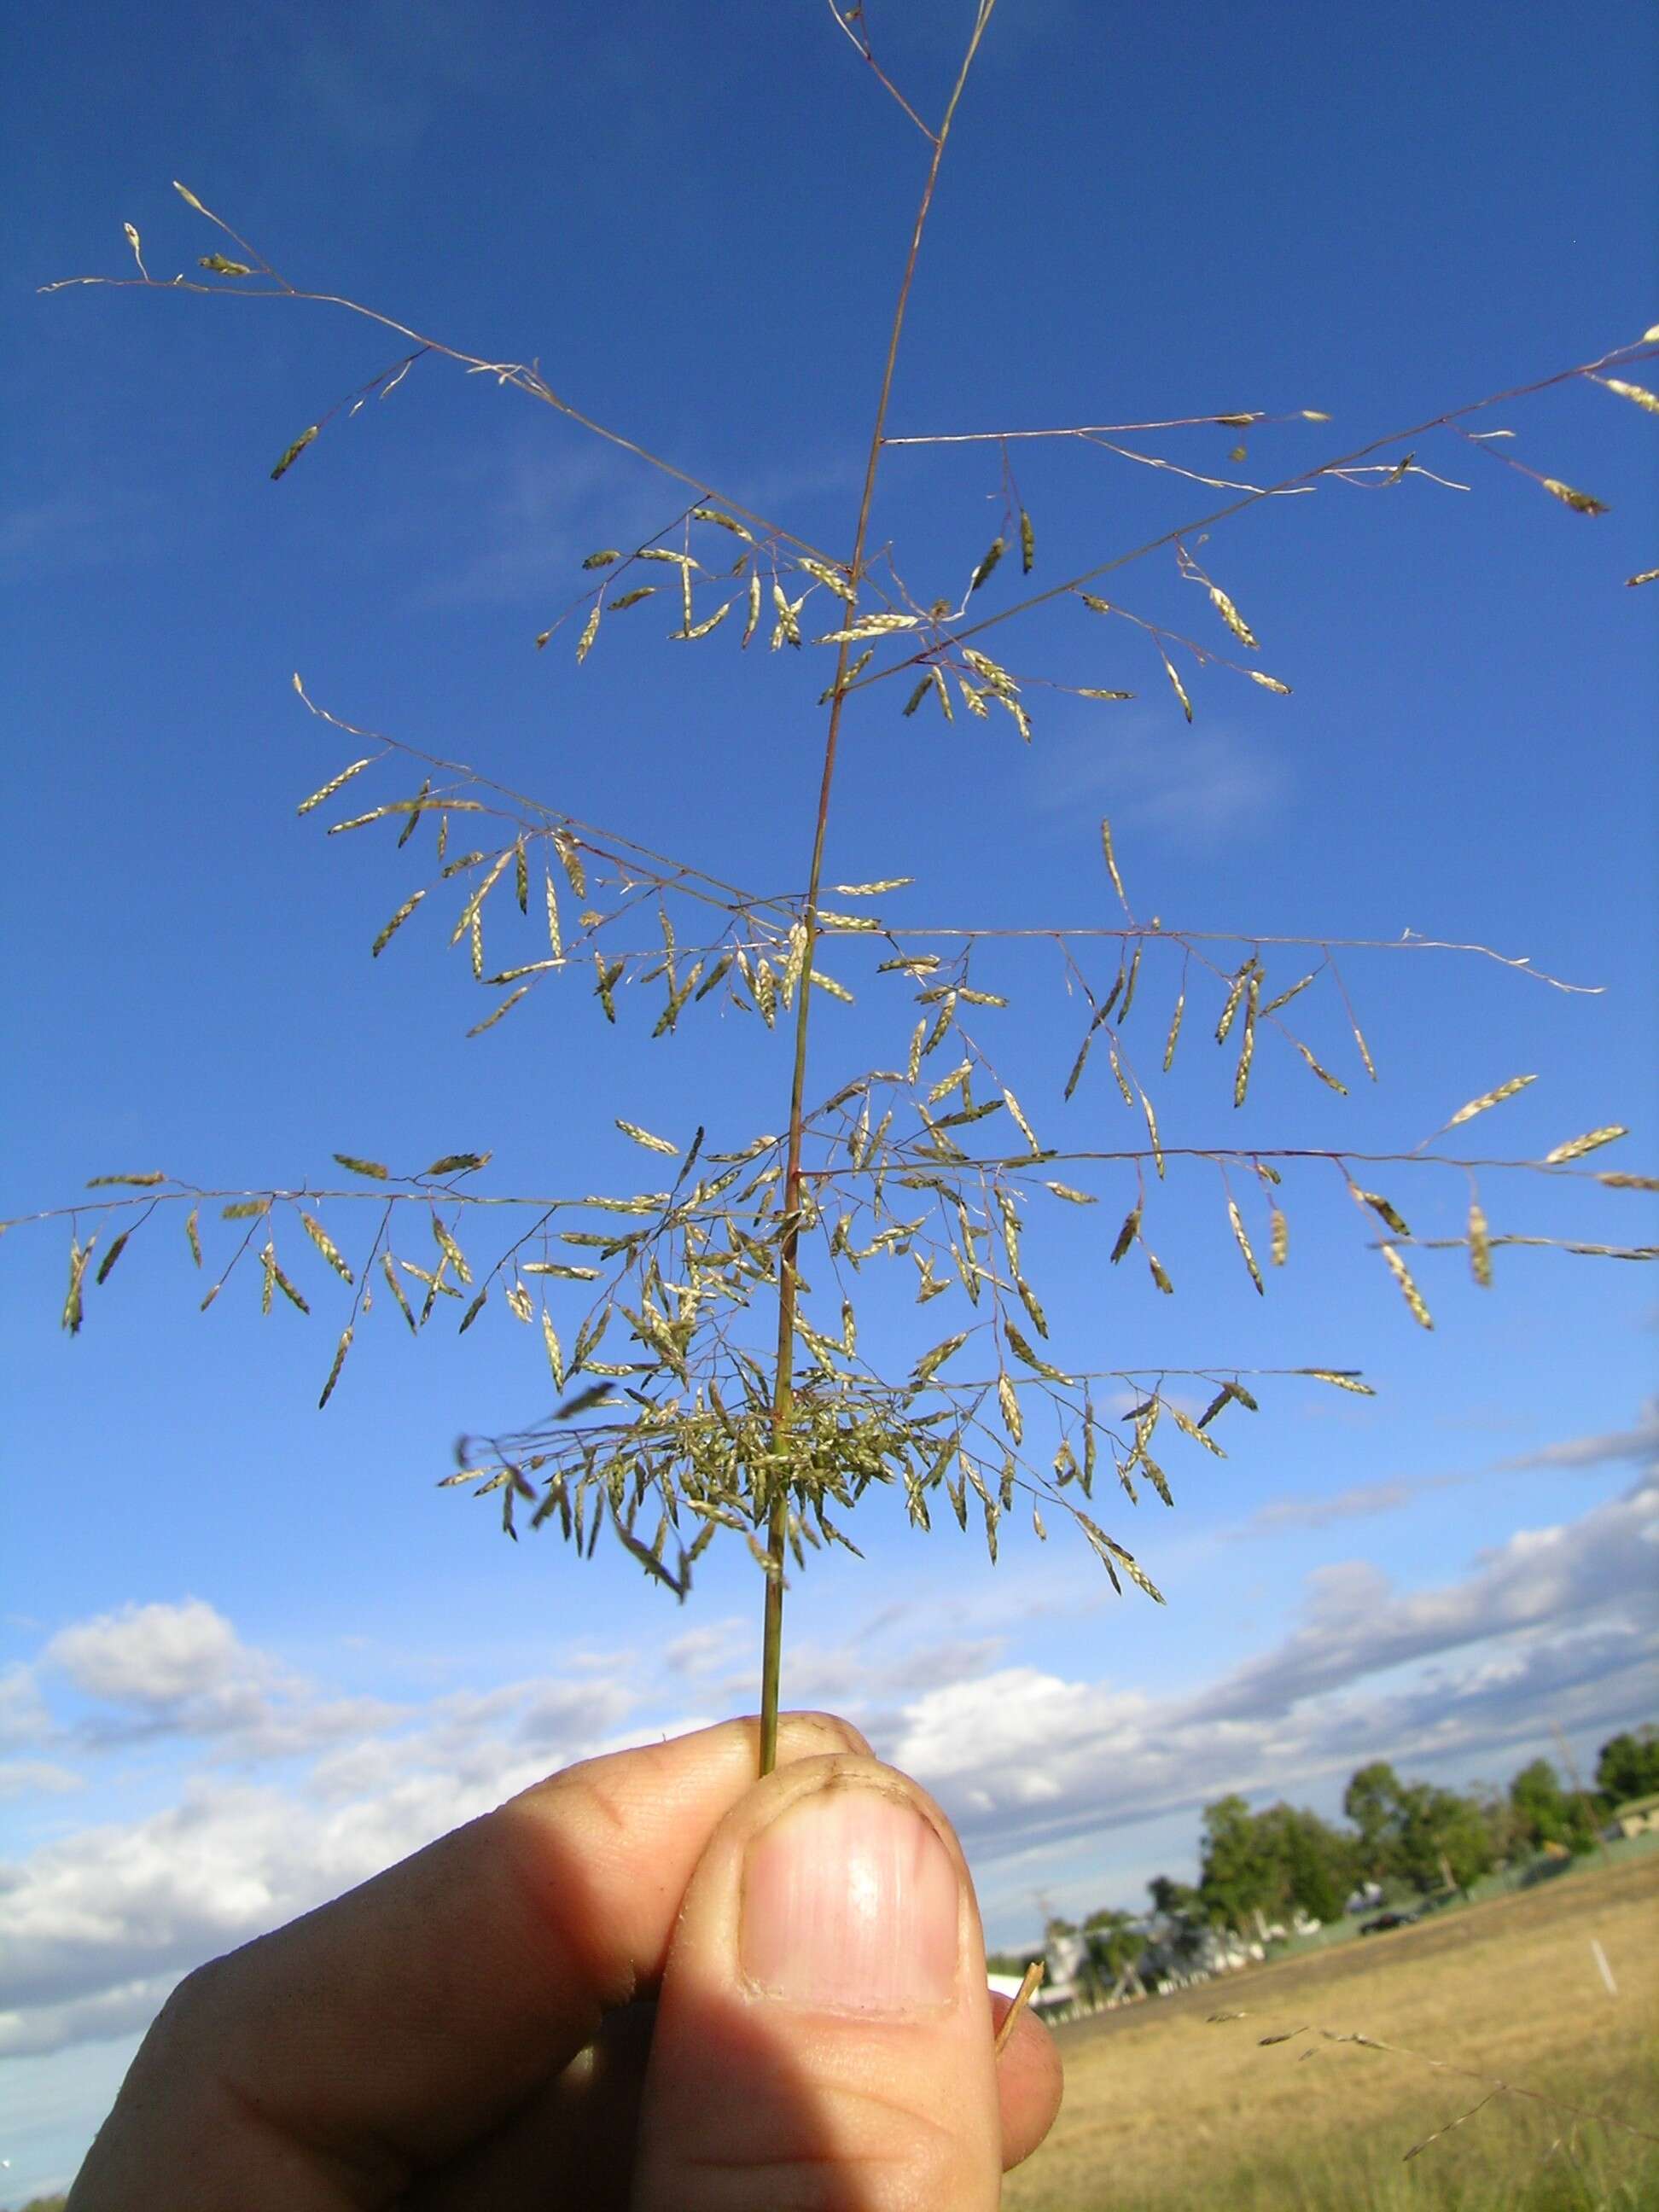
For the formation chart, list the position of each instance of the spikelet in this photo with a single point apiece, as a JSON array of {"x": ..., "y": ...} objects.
[
  {"x": 1179, "y": 688},
  {"x": 701, "y": 629},
  {"x": 1488, "y": 1098},
  {"x": 1238, "y": 1221},
  {"x": 396, "y": 924},
  {"x": 1152, "y": 1132},
  {"x": 1284, "y": 997},
  {"x": 1581, "y": 503},
  {"x": 1408, "y": 1289},
  {"x": 1111, "y": 861},
  {"x": 1479, "y": 1246},
  {"x": 294, "y": 451},
  {"x": 1591, "y": 1141},
  {"x": 114, "y": 1255},
  {"x": 1235, "y": 621},
  {"x": 1175, "y": 1030},
  {"x": 326, "y": 1244},
  {"x": 451, "y": 1250},
  {"x": 834, "y": 579},
  {"x": 877, "y": 625},
  {"x": 725, "y": 521},
  {"x": 645, "y": 1137},
  {"x": 341, "y": 1349},
  {"x": 1638, "y": 392},
  {"x": 329, "y": 789},
  {"x": 1008, "y": 1401},
  {"x": 999, "y": 546},
  {"x": 1381, "y": 1206},
  {"x": 1324, "y": 1074}
]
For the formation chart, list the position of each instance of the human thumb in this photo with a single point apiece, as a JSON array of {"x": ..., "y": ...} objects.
[{"x": 824, "y": 2037}]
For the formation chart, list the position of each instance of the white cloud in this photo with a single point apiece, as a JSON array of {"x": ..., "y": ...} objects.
[
  {"x": 713, "y": 1648},
  {"x": 1559, "y": 1619},
  {"x": 1357, "y": 1627},
  {"x": 1217, "y": 782},
  {"x": 96, "y": 1925},
  {"x": 181, "y": 1669},
  {"x": 23, "y": 1715},
  {"x": 848, "y": 1678},
  {"x": 1640, "y": 1443},
  {"x": 153, "y": 1656},
  {"x": 36, "y": 1777},
  {"x": 1361, "y": 1503}
]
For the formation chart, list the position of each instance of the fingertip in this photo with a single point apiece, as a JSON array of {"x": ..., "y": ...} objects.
[
  {"x": 1030, "y": 2081},
  {"x": 810, "y": 1735},
  {"x": 823, "y": 2017}
]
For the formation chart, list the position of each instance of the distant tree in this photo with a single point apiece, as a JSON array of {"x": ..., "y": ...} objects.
[
  {"x": 1407, "y": 1828},
  {"x": 1175, "y": 1901},
  {"x": 1115, "y": 1941},
  {"x": 1371, "y": 1801},
  {"x": 1320, "y": 1863},
  {"x": 1502, "y": 1821},
  {"x": 1238, "y": 1875},
  {"x": 1628, "y": 1766},
  {"x": 1278, "y": 1861},
  {"x": 1439, "y": 1829},
  {"x": 1544, "y": 1813}
]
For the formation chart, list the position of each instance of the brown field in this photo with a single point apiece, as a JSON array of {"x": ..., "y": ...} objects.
[{"x": 1165, "y": 2108}]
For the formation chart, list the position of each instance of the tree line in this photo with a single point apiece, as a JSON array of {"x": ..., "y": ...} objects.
[{"x": 1286, "y": 1862}]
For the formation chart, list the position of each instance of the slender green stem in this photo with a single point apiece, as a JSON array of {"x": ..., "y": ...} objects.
[{"x": 783, "y": 1384}]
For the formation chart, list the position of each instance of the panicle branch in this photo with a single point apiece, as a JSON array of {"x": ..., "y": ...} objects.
[{"x": 702, "y": 1337}]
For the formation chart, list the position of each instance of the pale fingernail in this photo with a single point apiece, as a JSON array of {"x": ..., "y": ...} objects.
[{"x": 850, "y": 1902}]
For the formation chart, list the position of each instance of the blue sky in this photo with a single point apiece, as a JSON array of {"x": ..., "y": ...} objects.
[{"x": 254, "y": 1653}]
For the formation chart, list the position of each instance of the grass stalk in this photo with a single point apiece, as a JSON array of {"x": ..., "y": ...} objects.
[{"x": 788, "y": 1273}]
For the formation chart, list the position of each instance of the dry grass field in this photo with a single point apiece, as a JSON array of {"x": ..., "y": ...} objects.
[{"x": 1166, "y": 2108}]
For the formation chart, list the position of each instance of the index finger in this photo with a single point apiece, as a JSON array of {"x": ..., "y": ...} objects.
[{"x": 325, "y": 2065}]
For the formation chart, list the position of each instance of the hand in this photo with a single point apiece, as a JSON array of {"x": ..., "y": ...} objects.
[{"x": 650, "y": 1982}]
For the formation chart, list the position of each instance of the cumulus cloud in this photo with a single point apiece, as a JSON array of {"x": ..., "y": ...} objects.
[
  {"x": 715, "y": 1648},
  {"x": 97, "y": 1926},
  {"x": 1640, "y": 1443},
  {"x": 854, "y": 1675},
  {"x": 851, "y": 1679},
  {"x": 23, "y": 1715},
  {"x": 96, "y": 1923},
  {"x": 154, "y": 1670},
  {"x": 1559, "y": 1618},
  {"x": 1361, "y": 1503},
  {"x": 154, "y": 1656},
  {"x": 1357, "y": 1625},
  {"x": 37, "y": 1777}
]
